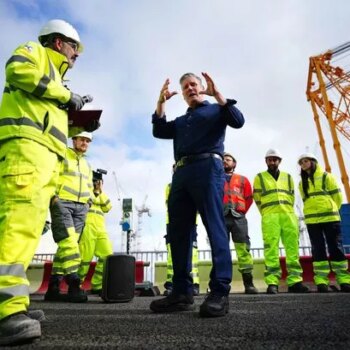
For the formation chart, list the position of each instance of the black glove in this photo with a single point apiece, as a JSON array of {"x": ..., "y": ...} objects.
[
  {"x": 76, "y": 102},
  {"x": 94, "y": 125}
]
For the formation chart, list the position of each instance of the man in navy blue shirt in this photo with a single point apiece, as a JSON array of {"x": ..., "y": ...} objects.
[{"x": 197, "y": 185}]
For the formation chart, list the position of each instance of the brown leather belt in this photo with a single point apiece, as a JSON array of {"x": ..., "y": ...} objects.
[{"x": 193, "y": 158}]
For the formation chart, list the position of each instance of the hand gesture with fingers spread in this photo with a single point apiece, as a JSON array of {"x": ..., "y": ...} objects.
[
  {"x": 164, "y": 96},
  {"x": 212, "y": 90}
]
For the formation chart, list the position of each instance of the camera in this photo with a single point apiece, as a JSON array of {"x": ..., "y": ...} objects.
[{"x": 97, "y": 175}]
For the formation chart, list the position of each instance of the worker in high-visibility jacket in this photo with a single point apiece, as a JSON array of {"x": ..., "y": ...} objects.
[
  {"x": 322, "y": 199},
  {"x": 274, "y": 196},
  {"x": 68, "y": 211},
  {"x": 238, "y": 197},
  {"x": 94, "y": 241},
  {"x": 168, "y": 285},
  {"x": 33, "y": 140}
]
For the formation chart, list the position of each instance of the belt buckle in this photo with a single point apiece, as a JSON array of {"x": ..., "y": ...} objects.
[{"x": 180, "y": 162}]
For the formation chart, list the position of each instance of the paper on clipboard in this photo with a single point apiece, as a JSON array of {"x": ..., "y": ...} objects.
[{"x": 83, "y": 118}]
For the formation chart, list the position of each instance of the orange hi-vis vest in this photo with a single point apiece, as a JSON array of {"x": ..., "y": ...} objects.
[{"x": 237, "y": 194}]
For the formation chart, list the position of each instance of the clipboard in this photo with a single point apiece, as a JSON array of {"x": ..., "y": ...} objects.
[{"x": 83, "y": 118}]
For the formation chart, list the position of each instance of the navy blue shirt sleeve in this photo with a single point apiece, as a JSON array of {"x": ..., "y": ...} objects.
[{"x": 161, "y": 128}]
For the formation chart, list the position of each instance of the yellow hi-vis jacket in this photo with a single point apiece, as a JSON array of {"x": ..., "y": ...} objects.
[
  {"x": 325, "y": 198},
  {"x": 33, "y": 91},
  {"x": 100, "y": 205},
  {"x": 273, "y": 196},
  {"x": 75, "y": 180}
]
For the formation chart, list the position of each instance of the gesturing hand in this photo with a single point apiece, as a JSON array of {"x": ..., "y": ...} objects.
[
  {"x": 165, "y": 94},
  {"x": 211, "y": 89}
]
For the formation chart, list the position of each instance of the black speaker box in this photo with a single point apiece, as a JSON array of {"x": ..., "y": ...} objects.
[{"x": 118, "y": 285}]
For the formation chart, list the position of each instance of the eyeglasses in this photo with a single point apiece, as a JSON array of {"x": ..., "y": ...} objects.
[{"x": 73, "y": 45}]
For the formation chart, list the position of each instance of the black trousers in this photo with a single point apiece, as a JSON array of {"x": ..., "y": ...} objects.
[{"x": 326, "y": 233}]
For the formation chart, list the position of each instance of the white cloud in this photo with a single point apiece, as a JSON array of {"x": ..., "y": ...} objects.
[{"x": 257, "y": 52}]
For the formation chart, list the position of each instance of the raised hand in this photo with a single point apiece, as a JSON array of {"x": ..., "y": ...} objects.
[
  {"x": 165, "y": 94},
  {"x": 212, "y": 90}
]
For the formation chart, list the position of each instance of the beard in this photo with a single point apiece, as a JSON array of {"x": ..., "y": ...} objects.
[{"x": 273, "y": 168}]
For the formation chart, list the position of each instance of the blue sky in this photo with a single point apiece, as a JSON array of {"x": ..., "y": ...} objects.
[{"x": 256, "y": 51}]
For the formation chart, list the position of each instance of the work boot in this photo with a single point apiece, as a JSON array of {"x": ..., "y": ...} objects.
[
  {"x": 196, "y": 290},
  {"x": 214, "y": 306},
  {"x": 249, "y": 287},
  {"x": 322, "y": 288},
  {"x": 173, "y": 303},
  {"x": 345, "y": 287},
  {"x": 75, "y": 293},
  {"x": 168, "y": 291},
  {"x": 19, "y": 329},
  {"x": 53, "y": 291},
  {"x": 298, "y": 288},
  {"x": 272, "y": 289},
  {"x": 36, "y": 315}
]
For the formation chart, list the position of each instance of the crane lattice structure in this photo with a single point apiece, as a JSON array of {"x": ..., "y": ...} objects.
[
  {"x": 143, "y": 209},
  {"x": 328, "y": 91}
]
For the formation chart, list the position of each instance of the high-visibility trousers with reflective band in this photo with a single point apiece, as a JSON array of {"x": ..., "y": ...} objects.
[
  {"x": 244, "y": 257},
  {"x": 284, "y": 227},
  {"x": 67, "y": 223},
  {"x": 340, "y": 268},
  {"x": 169, "y": 267},
  {"x": 94, "y": 241},
  {"x": 28, "y": 178}
]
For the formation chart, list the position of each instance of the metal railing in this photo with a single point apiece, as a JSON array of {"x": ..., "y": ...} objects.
[{"x": 152, "y": 257}]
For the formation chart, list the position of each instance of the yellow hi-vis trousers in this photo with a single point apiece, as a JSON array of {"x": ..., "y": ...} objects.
[
  {"x": 28, "y": 177},
  {"x": 284, "y": 227},
  {"x": 94, "y": 241}
]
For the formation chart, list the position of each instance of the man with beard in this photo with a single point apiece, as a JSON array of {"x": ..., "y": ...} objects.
[
  {"x": 237, "y": 201},
  {"x": 274, "y": 197}
]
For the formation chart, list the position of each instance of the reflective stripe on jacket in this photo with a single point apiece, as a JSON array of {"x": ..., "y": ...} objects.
[
  {"x": 75, "y": 181},
  {"x": 325, "y": 198},
  {"x": 33, "y": 91},
  {"x": 273, "y": 196},
  {"x": 100, "y": 205},
  {"x": 237, "y": 194}
]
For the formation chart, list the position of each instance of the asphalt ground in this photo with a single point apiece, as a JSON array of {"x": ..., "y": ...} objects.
[{"x": 283, "y": 321}]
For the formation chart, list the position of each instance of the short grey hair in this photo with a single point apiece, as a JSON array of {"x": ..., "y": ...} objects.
[{"x": 188, "y": 75}]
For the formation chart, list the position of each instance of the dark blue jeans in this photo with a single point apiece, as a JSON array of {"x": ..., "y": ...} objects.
[{"x": 199, "y": 186}]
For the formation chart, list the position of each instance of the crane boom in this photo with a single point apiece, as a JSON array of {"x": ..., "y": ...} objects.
[{"x": 323, "y": 78}]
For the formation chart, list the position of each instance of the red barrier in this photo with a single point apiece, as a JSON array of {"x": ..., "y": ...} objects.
[
  {"x": 139, "y": 276},
  {"x": 308, "y": 271}
]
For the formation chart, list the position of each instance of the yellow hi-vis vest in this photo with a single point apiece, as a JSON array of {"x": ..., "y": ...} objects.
[
  {"x": 325, "y": 198},
  {"x": 273, "y": 196},
  {"x": 75, "y": 180},
  {"x": 99, "y": 206},
  {"x": 33, "y": 91}
]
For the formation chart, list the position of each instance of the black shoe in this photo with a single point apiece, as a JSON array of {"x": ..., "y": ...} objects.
[
  {"x": 214, "y": 306},
  {"x": 36, "y": 315},
  {"x": 249, "y": 287},
  {"x": 96, "y": 292},
  {"x": 54, "y": 295},
  {"x": 345, "y": 287},
  {"x": 272, "y": 289},
  {"x": 19, "y": 329},
  {"x": 168, "y": 291},
  {"x": 322, "y": 288},
  {"x": 173, "y": 303},
  {"x": 196, "y": 290},
  {"x": 298, "y": 288},
  {"x": 75, "y": 294}
]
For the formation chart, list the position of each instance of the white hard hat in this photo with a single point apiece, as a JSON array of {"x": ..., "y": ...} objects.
[
  {"x": 85, "y": 134},
  {"x": 61, "y": 27},
  {"x": 307, "y": 155},
  {"x": 273, "y": 153}
]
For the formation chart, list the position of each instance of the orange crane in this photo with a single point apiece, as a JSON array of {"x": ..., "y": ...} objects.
[{"x": 328, "y": 91}]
